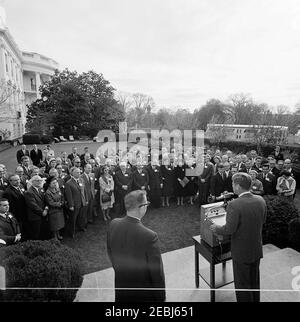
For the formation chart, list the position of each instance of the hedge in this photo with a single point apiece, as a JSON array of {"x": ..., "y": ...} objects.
[
  {"x": 294, "y": 233},
  {"x": 280, "y": 212},
  {"x": 41, "y": 264}
]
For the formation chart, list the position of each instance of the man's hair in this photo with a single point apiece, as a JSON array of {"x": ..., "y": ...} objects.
[
  {"x": 11, "y": 176},
  {"x": 134, "y": 199},
  {"x": 25, "y": 157},
  {"x": 73, "y": 169},
  {"x": 3, "y": 200},
  {"x": 285, "y": 173},
  {"x": 242, "y": 179}
]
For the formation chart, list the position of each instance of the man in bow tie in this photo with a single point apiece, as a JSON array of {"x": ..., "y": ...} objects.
[{"x": 9, "y": 227}]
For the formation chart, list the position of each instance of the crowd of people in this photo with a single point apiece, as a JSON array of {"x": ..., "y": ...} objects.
[{"x": 50, "y": 195}]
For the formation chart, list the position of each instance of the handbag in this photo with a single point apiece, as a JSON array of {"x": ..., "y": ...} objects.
[{"x": 106, "y": 197}]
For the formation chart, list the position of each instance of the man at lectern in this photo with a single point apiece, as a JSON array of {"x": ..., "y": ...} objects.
[{"x": 244, "y": 222}]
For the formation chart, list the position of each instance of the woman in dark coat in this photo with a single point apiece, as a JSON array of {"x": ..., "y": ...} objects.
[
  {"x": 192, "y": 186},
  {"x": 179, "y": 185},
  {"x": 55, "y": 201},
  {"x": 167, "y": 174},
  {"x": 155, "y": 184}
]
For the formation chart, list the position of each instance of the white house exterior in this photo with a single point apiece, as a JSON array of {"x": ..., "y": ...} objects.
[{"x": 26, "y": 71}]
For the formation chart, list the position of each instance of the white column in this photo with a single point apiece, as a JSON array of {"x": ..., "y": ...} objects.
[{"x": 38, "y": 84}]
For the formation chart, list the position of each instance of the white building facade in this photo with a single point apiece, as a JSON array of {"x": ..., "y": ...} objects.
[
  {"x": 25, "y": 72},
  {"x": 245, "y": 133}
]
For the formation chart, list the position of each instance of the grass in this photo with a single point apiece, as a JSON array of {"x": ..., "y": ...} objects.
[{"x": 175, "y": 227}]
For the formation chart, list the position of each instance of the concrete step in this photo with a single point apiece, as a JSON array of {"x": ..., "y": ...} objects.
[{"x": 276, "y": 279}]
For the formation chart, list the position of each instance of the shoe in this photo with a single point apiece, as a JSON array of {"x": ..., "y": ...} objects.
[{"x": 90, "y": 222}]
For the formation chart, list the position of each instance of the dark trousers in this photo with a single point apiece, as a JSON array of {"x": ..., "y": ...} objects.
[
  {"x": 246, "y": 276},
  {"x": 73, "y": 215},
  {"x": 82, "y": 218},
  {"x": 34, "y": 229},
  {"x": 90, "y": 211},
  {"x": 38, "y": 229},
  {"x": 120, "y": 200},
  {"x": 203, "y": 193}
]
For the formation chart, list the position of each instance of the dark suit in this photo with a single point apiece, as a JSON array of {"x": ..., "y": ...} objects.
[
  {"x": 9, "y": 229},
  {"x": 269, "y": 182},
  {"x": 21, "y": 154},
  {"x": 27, "y": 173},
  {"x": 17, "y": 206},
  {"x": 72, "y": 156},
  {"x": 217, "y": 185},
  {"x": 3, "y": 186},
  {"x": 135, "y": 255},
  {"x": 278, "y": 157},
  {"x": 254, "y": 167},
  {"x": 89, "y": 192},
  {"x": 228, "y": 181},
  {"x": 36, "y": 157},
  {"x": 207, "y": 173},
  {"x": 140, "y": 180},
  {"x": 276, "y": 172},
  {"x": 244, "y": 222},
  {"x": 242, "y": 167},
  {"x": 75, "y": 197},
  {"x": 120, "y": 180},
  {"x": 83, "y": 155},
  {"x": 37, "y": 223}
]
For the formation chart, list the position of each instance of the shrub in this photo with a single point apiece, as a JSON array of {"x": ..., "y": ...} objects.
[
  {"x": 294, "y": 233},
  {"x": 31, "y": 138},
  {"x": 280, "y": 212},
  {"x": 46, "y": 139},
  {"x": 41, "y": 264}
]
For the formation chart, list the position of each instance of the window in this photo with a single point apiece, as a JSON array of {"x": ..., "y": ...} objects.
[{"x": 6, "y": 59}]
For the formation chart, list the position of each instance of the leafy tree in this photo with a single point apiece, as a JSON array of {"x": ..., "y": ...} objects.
[
  {"x": 75, "y": 104},
  {"x": 212, "y": 108}
]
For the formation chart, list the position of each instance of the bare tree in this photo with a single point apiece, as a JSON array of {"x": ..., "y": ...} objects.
[
  {"x": 144, "y": 102},
  {"x": 142, "y": 108},
  {"x": 125, "y": 100}
]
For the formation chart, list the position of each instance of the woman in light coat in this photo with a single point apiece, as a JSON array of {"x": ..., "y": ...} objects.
[{"x": 107, "y": 198}]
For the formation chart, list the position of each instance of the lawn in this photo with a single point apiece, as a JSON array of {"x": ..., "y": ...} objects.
[
  {"x": 175, "y": 227},
  {"x": 8, "y": 157}
]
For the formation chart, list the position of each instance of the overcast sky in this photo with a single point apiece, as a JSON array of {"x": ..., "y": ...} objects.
[{"x": 181, "y": 52}]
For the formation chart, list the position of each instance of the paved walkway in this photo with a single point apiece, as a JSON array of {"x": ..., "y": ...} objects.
[{"x": 276, "y": 275}]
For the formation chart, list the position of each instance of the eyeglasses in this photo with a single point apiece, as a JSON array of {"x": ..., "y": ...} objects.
[{"x": 144, "y": 205}]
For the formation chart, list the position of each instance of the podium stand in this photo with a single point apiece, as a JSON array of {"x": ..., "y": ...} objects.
[{"x": 214, "y": 277}]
